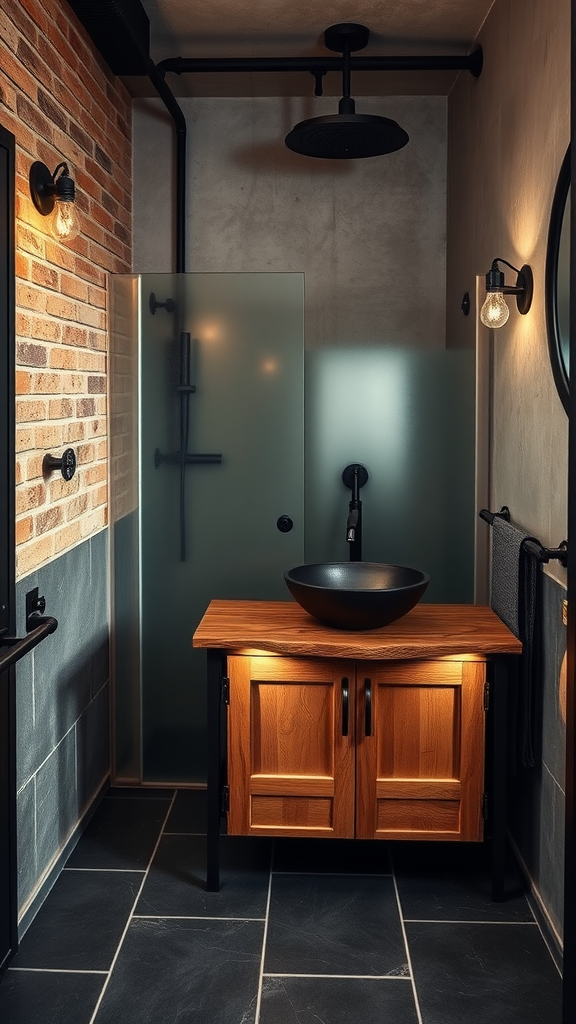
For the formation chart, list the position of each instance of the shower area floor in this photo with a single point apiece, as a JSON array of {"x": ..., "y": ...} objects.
[{"x": 301, "y": 931}]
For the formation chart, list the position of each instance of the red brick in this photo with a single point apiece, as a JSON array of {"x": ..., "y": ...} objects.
[
  {"x": 60, "y": 409},
  {"x": 30, "y": 355},
  {"x": 23, "y": 382},
  {"x": 49, "y": 519},
  {"x": 63, "y": 359},
  {"x": 48, "y": 436},
  {"x": 45, "y": 275},
  {"x": 24, "y": 529},
  {"x": 30, "y": 497},
  {"x": 28, "y": 410}
]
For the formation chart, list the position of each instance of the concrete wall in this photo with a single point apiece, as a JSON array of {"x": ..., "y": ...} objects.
[
  {"x": 369, "y": 235},
  {"x": 507, "y": 136}
]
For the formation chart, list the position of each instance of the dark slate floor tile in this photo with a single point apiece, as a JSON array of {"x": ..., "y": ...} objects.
[
  {"x": 188, "y": 814},
  {"x": 81, "y": 923},
  {"x": 332, "y": 855},
  {"x": 334, "y": 924},
  {"x": 139, "y": 793},
  {"x": 185, "y": 972},
  {"x": 337, "y": 1000},
  {"x": 452, "y": 882},
  {"x": 177, "y": 878},
  {"x": 483, "y": 973},
  {"x": 35, "y": 997},
  {"x": 122, "y": 834}
]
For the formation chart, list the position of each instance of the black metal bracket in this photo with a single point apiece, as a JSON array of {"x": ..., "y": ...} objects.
[
  {"x": 489, "y": 517},
  {"x": 547, "y": 554},
  {"x": 154, "y": 304},
  {"x": 66, "y": 464}
]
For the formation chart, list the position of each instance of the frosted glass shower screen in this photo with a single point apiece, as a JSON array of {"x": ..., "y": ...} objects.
[{"x": 237, "y": 340}]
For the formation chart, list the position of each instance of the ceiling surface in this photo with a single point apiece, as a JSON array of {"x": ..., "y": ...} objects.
[{"x": 295, "y": 28}]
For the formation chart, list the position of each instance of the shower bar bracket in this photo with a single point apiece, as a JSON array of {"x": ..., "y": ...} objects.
[{"x": 175, "y": 458}]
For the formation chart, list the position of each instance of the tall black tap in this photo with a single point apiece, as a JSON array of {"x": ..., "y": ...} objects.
[{"x": 354, "y": 476}]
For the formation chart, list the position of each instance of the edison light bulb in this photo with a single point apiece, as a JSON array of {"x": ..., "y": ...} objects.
[
  {"x": 65, "y": 224},
  {"x": 494, "y": 312}
]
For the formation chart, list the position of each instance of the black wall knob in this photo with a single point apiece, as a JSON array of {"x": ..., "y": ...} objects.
[
  {"x": 66, "y": 464},
  {"x": 284, "y": 524}
]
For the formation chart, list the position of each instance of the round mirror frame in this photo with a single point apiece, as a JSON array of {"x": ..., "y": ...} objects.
[{"x": 558, "y": 213}]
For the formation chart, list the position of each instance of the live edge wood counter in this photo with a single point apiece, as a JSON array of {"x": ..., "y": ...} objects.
[
  {"x": 282, "y": 627},
  {"x": 376, "y": 734}
]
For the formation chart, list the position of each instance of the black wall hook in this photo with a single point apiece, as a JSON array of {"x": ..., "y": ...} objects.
[
  {"x": 154, "y": 304},
  {"x": 66, "y": 464}
]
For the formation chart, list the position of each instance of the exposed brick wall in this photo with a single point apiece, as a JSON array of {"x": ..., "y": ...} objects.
[{"x": 61, "y": 102}]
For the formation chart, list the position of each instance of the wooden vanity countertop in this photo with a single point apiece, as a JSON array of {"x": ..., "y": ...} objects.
[{"x": 283, "y": 627}]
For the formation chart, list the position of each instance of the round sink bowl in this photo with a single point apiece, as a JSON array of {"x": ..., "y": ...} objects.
[{"x": 356, "y": 595}]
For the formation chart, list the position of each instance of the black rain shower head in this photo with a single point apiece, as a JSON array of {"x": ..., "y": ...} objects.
[{"x": 346, "y": 135}]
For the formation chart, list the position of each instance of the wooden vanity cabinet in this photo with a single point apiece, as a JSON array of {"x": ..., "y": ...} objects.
[{"x": 346, "y": 748}]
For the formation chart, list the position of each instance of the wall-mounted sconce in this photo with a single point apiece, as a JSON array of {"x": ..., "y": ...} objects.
[
  {"x": 495, "y": 312},
  {"x": 55, "y": 193}
]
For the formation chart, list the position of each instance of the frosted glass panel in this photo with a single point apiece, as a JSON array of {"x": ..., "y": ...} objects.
[
  {"x": 408, "y": 417},
  {"x": 246, "y": 363}
]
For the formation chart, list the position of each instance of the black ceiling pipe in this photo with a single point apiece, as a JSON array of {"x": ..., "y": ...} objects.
[
  {"x": 169, "y": 100},
  {"x": 183, "y": 65}
]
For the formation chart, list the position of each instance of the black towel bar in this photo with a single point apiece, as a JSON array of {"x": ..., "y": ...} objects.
[
  {"x": 533, "y": 546},
  {"x": 545, "y": 554},
  {"x": 489, "y": 517}
]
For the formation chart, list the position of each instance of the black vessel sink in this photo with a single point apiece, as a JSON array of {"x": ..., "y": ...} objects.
[{"x": 356, "y": 595}]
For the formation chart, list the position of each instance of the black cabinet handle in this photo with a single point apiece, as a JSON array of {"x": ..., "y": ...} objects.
[
  {"x": 368, "y": 707},
  {"x": 345, "y": 705}
]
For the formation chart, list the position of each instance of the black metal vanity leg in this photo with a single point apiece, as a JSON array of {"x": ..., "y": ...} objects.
[
  {"x": 499, "y": 699},
  {"x": 214, "y": 779}
]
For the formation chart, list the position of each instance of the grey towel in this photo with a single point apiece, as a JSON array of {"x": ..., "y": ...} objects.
[
  {"x": 514, "y": 597},
  {"x": 506, "y": 543}
]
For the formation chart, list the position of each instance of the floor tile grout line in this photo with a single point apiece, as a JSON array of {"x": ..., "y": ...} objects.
[
  {"x": 264, "y": 939},
  {"x": 54, "y": 970},
  {"x": 442, "y": 920},
  {"x": 339, "y": 874},
  {"x": 363, "y": 977},
  {"x": 118, "y": 871},
  {"x": 192, "y": 917},
  {"x": 131, "y": 915},
  {"x": 403, "y": 927}
]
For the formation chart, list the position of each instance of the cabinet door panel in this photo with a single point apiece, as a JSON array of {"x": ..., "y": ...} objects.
[
  {"x": 291, "y": 770},
  {"x": 420, "y": 773}
]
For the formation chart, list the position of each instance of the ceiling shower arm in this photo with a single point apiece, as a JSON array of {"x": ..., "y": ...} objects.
[{"x": 471, "y": 62}]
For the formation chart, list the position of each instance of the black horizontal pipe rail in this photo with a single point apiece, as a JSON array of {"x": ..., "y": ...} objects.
[
  {"x": 182, "y": 65},
  {"x": 17, "y": 647}
]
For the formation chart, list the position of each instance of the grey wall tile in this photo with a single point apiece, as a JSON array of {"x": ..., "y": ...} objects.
[
  {"x": 553, "y": 731},
  {"x": 25, "y": 723},
  {"x": 62, "y": 703},
  {"x": 56, "y": 800},
  {"x": 536, "y": 807},
  {"x": 26, "y": 838},
  {"x": 93, "y": 748}
]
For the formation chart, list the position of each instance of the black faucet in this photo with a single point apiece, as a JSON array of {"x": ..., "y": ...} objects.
[{"x": 355, "y": 476}]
